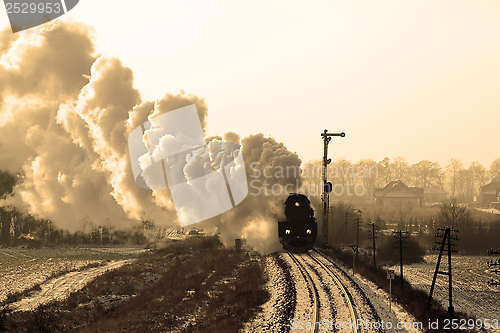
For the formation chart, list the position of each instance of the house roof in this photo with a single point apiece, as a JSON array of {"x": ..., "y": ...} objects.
[
  {"x": 396, "y": 189},
  {"x": 490, "y": 188}
]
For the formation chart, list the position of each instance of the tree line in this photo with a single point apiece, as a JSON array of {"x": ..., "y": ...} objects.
[
  {"x": 18, "y": 229},
  {"x": 477, "y": 235},
  {"x": 462, "y": 183}
]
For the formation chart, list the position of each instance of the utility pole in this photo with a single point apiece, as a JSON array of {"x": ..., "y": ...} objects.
[
  {"x": 401, "y": 256},
  {"x": 373, "y": 235},
  {"x": 327, "y": 187},
  {"x": 399, "y": 239},
  {"x": 446, "y": 236},
  {"x": 357, "y": 235},
  {"x": 355, "y": 248}
]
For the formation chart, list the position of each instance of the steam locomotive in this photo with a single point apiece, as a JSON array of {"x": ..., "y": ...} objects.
[{"x": 298, "y": 233}]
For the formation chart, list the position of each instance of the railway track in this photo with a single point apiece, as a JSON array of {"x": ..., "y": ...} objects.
[
  {"x": 313, "y": 291},
  {"x": 319, "y": 278},
  {"x": 338, "y": 304},
  {"x": 345, "y": 291}
]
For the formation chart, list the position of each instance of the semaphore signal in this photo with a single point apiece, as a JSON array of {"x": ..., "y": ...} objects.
[{"x": 327, "y": 187}]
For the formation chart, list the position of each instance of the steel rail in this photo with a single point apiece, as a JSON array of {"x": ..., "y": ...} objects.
[
  {"x": 341, "y": 286},
  {"x": 307, "y": 277}
]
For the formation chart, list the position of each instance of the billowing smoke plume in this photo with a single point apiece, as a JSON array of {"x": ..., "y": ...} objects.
[
  {"x": 273, "y": 172},
  {"x": 65, "y": 115}
]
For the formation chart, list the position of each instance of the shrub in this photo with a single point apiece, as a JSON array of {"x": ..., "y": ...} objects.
[{"x": 389, "y": 253}]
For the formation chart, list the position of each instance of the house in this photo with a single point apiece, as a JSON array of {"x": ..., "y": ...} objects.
[
  {"x": 433, "y": 195},
  {"x": 397, "y": 194},
  {"x": 489, "y": 193}
]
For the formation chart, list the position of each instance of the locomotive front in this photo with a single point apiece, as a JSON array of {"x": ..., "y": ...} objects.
[{"x": 298, "y": 233}]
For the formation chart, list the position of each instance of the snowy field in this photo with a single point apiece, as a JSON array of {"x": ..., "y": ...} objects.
[
  {"x": 22, "y": 268},
  {"x": 489, "y": 210},
  {"x": 471, "y": 293}
]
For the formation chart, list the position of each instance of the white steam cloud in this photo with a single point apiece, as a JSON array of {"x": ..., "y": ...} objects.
[{"x": 65, "y": 116}]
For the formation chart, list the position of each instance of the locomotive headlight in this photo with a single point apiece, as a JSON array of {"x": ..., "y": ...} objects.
[
  {"x": 308, "y": 231},
  {"x": 287, "y": 231},
  {"x": 297, "y": 204}
]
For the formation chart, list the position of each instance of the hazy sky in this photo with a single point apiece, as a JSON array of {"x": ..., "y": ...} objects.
[{"x": 417, "y": 79}]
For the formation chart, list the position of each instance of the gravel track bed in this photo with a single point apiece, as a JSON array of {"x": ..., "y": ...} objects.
[
  {"x": 333, "y": 305},
  {"x": 330, "y": 296},
  {"x": 304, "y": 293},
  {"x": 362, "y": 305},
  {"x": 280, "y": 308},
  {"x": 290, "y": 298}
]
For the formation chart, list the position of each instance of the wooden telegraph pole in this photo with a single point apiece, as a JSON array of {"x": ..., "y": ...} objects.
[
  {"x": 373, "y": 235},
  {"x": 400, "y": 235},
  {"x": 447, "y": 238}
]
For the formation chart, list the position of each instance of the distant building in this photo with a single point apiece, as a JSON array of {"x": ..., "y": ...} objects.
[
  {"x": 397, "y": 194},
  {"x": 433, "y": 194},
  {"x": 489, "y": 193}
]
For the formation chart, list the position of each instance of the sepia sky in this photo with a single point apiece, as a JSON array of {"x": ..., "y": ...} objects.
[{"x": 417, "y": 79}]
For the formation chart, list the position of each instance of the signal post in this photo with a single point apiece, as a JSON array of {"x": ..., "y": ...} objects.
[{"x": 327, "y": 186}]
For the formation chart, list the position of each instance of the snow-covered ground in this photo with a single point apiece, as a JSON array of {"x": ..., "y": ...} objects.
[
  {"x": 395, "y": 319},
  {"x": 270, "y": 319},
  {"x": 22, "y": 268},
  {"x": 489, "y": 210},
  {"x": 340, "y": 301},
  {"x": 471, "y": 293},
  {"x": 274, "y": 314},
  {"x": 61, "y": 287}
]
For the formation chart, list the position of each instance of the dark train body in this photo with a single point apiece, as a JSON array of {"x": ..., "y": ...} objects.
[{"x": 298, "y": 233}]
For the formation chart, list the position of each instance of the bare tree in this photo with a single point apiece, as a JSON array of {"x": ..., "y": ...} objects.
[
  {"x": 465, "y": 186},
  {"x": 385, "y": 172},
  {"x": 479, "y": 176},
  {"x": 452, "y": 214},
  {"x": 495, "y": 170},
  {"x": 342, "y": 173},
  {"x": 312, "y": 173},
  {"x": 441, "y": 178},
  {"x": 401, "y": 169},
  {"x": 426, "y": 173},
  {"x": 367, "y": 174},
  {"x": 453, "y": 168}
]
